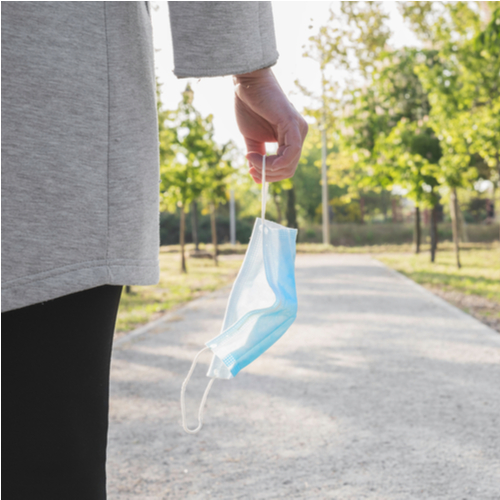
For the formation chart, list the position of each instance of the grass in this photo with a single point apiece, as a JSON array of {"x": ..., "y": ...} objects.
[
  {"x": 146, "y": 303},
  {"x": 479, "y": 276}
]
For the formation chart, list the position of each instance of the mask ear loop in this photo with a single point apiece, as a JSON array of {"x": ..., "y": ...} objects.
[
  {"x": 195, "y": 360},
  {"x": 203, "y": 399}
]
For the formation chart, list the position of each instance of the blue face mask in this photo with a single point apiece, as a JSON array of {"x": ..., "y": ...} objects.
[{"x": 261, "y": 307}]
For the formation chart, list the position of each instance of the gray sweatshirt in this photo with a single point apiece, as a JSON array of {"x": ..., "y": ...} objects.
[{"x": 80, "y": 171}]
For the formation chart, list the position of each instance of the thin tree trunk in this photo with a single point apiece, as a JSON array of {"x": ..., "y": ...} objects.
[
  {"x": 278, "y": 208},
  {"x": 394, "y": 210},
  {"x": 194, "y": 224},
  {"x": 182, "y": 240},
  {"x": 362, "y": 209},
  {"x": 434, "y": 233},
  {"x": 214, "y": 232},
  {"x": 291, "y": 212},
  {"x": 462, "y": 226},
  {"x": 496, "y": 208},
  {"x": 454, "y": 224},
  {"x": 386, "y": 197},
  {"x": 418, "y": 234}
]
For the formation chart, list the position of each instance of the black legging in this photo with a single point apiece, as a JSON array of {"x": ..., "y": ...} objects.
[{"x": 56, "y": 360}]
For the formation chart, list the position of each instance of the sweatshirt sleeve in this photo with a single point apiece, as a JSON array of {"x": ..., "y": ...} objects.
[{"x": 221, "y": 38}]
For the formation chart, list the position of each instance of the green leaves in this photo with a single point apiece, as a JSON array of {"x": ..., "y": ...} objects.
[
  {"x": 408, "y": 157},
  {"x": 463, "y": 89},
  {"x": 415, "y": 118},
  {"x": 192, "y": 165}
]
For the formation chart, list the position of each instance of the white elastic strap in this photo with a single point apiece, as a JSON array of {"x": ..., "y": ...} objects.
[
  {"x": 264, "y": 190},
  {"x": 203, "y": 399}
]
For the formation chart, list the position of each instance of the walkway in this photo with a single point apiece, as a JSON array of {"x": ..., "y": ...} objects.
[{"x": 380, "y": 390}]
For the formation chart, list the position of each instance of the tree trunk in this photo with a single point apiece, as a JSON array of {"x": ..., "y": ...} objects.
[
  {"x": 462, "y": 226},
  {"x": 194, "y": 224},
  {"x": 278, "y": 208},
  {"x": 362, "y": 209},
  {"x": 232, "y": 218},
  {"x": 454, "y": 224},
  {"x": 417, "y": 235},
  {"x": 386, "y": 198},
  {"x": 291, "y": 212},
  {"x": 434, "y": 233},
  {"x": 496, "y": 208},
  {"x": 128, "y": 289},
  {"x": 214, "y": 232},
  {"x": 181, "y": 238},
  {"x": 394, "y": 210}
]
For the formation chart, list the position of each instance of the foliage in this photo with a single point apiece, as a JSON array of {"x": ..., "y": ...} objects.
[
  {"x": 192, "y": 164},
  {"x": 352, "y": 40},
  {"x": 195, "y": 166},
  {"x": 463, "y": 89},
  {"x": 217, "y": 172},
  {"x": 307, "y": 178},
  {"x": 417, "y": 121},
  {"x": 183, "y": 170},
  {"x": 408, "y": 157}
]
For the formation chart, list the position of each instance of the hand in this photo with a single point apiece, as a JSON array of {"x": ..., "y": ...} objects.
[{"x": 264, "y": 114}]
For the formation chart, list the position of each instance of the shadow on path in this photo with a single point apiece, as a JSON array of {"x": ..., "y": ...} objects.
[{"x": 379, "y": 390}]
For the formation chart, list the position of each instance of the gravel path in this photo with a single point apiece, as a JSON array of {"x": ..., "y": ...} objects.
[{"x": 380, "y": 390}]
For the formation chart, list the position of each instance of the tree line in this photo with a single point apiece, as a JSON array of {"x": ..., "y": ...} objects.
[{"x": 425, "y": 120}]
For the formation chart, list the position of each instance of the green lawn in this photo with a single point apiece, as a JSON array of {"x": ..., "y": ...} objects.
[
  {"x": 479, "y": 275},
  {"x": 145, "y": 303}
]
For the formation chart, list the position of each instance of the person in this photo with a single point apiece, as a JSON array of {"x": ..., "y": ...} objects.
[{"x": 80, "y": 204}]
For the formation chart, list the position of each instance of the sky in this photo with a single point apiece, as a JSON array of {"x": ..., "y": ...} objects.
[{"x": 292, "y": 21}]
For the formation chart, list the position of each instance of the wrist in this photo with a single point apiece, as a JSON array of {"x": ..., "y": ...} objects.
[{"x": 253, "y": 76}]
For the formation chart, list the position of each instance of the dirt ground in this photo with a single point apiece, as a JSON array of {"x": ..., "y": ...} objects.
[
  {"x": 481, "y": 308},
  {"x": 380, "y": 390}
]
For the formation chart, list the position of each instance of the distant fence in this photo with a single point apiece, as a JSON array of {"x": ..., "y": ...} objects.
[
  {"x": 169, "y": 229},
  {"x": 348, "y": 234}
]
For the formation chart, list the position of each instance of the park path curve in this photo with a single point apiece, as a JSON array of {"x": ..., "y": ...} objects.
[{"x": 380, "y": 390}]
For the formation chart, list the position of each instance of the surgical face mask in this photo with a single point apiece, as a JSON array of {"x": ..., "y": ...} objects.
[{"x": 261, "y": 307}]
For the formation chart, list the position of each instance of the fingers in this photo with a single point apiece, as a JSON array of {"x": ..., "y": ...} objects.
[
  {"x": 289, "y": 152},
  {"x": 255, "y": 156},
  {"x": 255, "y": 170},
  {"x": 264, "y": 114},
  {"x": 284, "y": 163},
  {"x": 255, "y": 148}
]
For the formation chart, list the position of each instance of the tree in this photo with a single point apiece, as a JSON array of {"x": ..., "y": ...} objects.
[
  {"x": 352, "y": 40},
  {"x": 408, "y": 157},
  {"x": 463, "y": 89},
  {"x": 218, "y": 170},
  {"x": 276, "y": 190},
  {"x": 383, "y": 129},
  {"x": 186, "y": 141}
]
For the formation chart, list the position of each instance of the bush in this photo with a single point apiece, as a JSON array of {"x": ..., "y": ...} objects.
[
  {"x": 394, "y": 233},
  {"x": 170, "y": 224}
]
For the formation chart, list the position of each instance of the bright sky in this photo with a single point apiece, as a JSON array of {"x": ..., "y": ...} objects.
[{"x": 292, "y": 21}]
